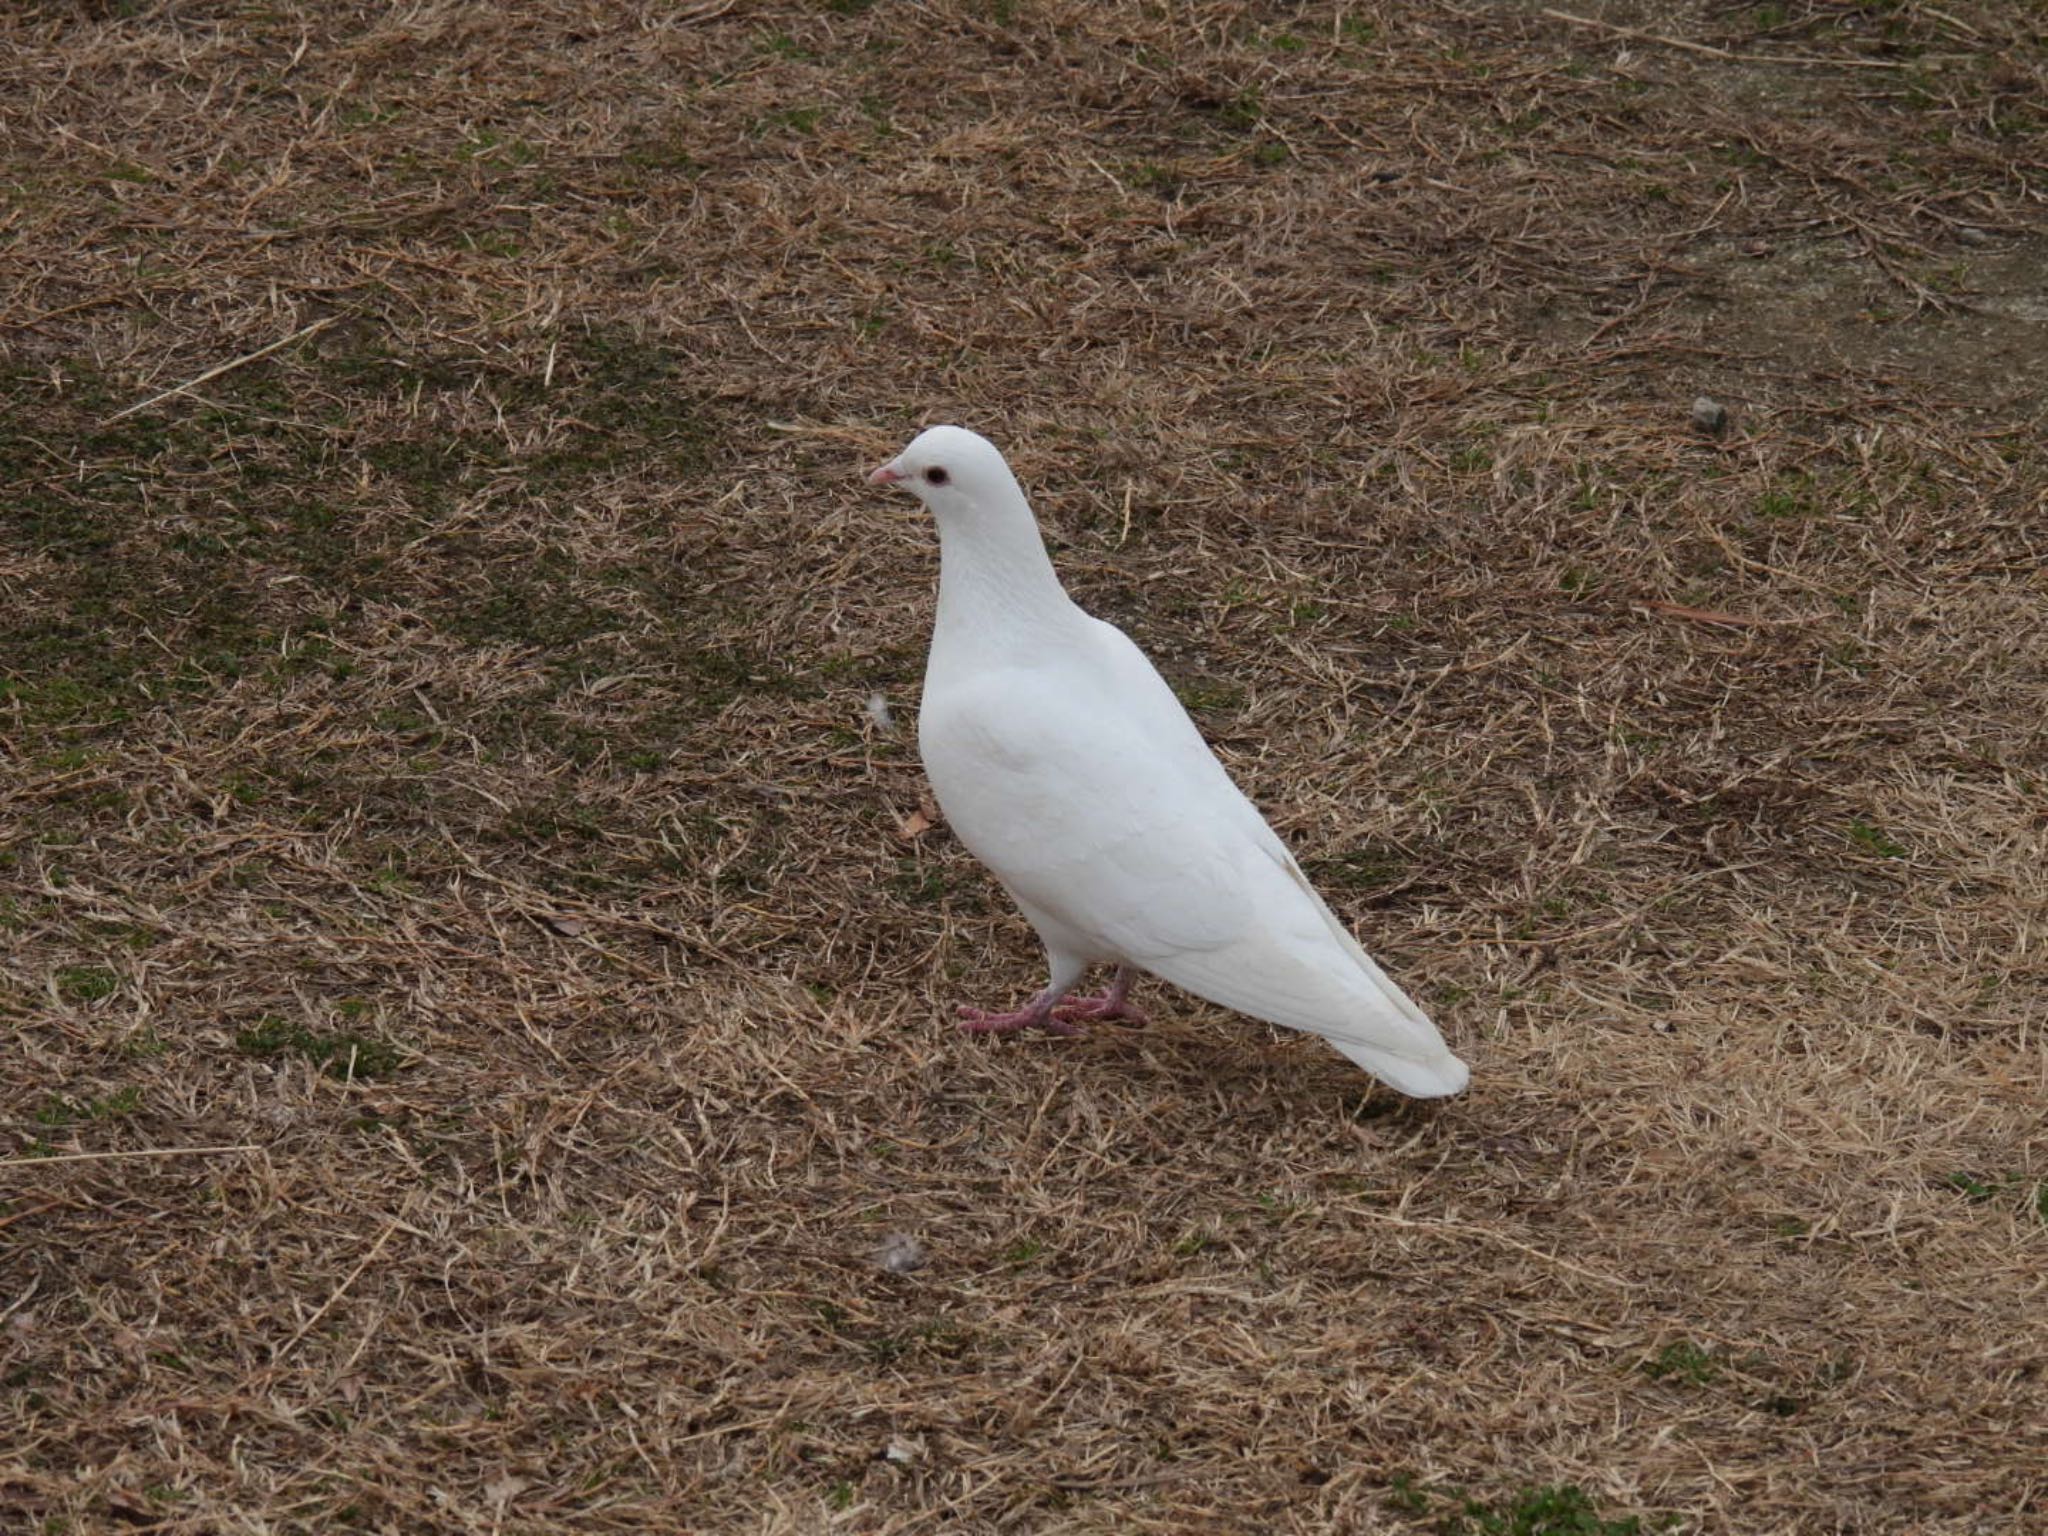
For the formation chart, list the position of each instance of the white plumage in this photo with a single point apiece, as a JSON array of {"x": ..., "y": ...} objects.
[{"x": 1065, "y": 763}]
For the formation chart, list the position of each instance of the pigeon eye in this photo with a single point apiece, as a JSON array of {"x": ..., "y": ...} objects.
[{"x": 935, "y": 476}]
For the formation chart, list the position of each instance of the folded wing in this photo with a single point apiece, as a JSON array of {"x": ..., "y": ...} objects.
[{"x": 1099, "y": 805}]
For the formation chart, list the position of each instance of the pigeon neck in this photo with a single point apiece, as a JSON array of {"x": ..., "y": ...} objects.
[{"x": 993, "y": 571}]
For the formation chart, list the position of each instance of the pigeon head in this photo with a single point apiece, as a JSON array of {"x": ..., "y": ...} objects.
[{"x": 952, "y": 471}]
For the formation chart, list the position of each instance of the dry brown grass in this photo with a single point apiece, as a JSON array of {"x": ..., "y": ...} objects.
[{"x": 473, "y": 1014}]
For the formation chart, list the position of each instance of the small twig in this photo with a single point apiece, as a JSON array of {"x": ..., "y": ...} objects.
[
  {"x": 1487, "y": 1235},
  {"x": 1955, "y": 21},
  {"x": 1105, "y": 173},
  {"x": 1923, "y": 295},
  {"x": 1642, "y": 37},
  {"x": 338, "y": 1292},
  {"x": 95, "y": 1157},
  {"x": 35, "y": 1210},
  {"x": 1796, "y": 60},
  {"x": 852, "y": 435},
  {"x": 228, "y": 367},
  {"x": 1714, "y": 616}
]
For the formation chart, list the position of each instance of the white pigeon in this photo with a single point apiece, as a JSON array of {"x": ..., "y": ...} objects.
[{"x": 1065, "y": 763}]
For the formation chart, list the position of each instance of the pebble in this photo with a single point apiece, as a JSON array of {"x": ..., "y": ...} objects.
[
  {"x": 900, "y": 1254},
  {"x": 1710, "y": 415}
]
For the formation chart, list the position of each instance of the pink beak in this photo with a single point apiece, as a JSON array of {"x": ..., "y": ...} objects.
[{"x": 888, "y": 474}]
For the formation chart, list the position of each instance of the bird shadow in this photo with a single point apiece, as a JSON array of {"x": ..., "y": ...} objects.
[{"x": 1281, "y": 1071}]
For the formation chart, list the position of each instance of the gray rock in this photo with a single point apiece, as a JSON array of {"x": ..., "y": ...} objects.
[
  {"x": 1710, "y": 415},
  {"x": 900, "y": 1254}
]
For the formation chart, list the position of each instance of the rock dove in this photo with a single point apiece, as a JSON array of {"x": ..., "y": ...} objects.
[{"x": 1064, "y": 762}]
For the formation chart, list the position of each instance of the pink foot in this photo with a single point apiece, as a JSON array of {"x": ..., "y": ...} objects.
[
  {"x": 978, "y": 1021},
  {"x": 1104, "y": 1008}
]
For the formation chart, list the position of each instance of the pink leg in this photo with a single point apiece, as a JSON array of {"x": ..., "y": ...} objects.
[
  {"x": 1036, "y": 1014},
  {"x": 1113, "y": 1004}
]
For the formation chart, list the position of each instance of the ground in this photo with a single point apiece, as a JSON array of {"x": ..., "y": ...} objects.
[{"x": 476, "y": 970}]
